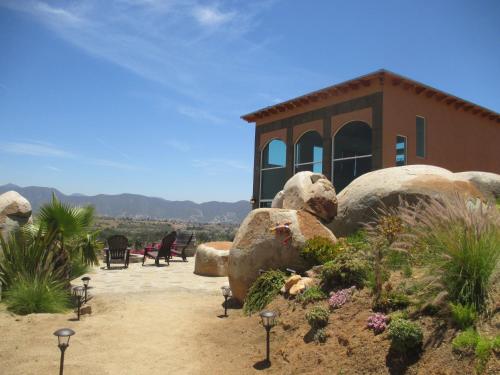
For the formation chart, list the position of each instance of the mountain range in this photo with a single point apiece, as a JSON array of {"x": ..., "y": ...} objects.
[{"x": 139, "y": 206}]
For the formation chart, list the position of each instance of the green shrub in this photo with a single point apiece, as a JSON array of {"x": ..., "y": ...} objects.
[
  {"x": 319, "y": 250},
  {"x": 465, "y": 341},
  {"x": 345, "y": 271},
  {"x": 263, "y": 290},
  {"x": 462, "y": 240},
  {"x": 320, "y": 336},
  {"x": 318, "y": 317},
  {"x": 37, "y": 295},
  {"x": 483, "y": 351},
  {"x": 470, "y": 341},
  {"x": 390, "y": 301},
  {"x": 77, "y": 268},
  {"x": 405, "y": 335},
  {"x": 311, "y": 294},
  {"x": 463, "y": 316}
]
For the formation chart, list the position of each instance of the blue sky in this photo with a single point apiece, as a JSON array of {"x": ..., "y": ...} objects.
[{"x": 144, "y": 96}]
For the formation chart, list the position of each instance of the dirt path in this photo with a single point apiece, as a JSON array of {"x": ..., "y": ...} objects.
[{"x": 170, "y": 327}]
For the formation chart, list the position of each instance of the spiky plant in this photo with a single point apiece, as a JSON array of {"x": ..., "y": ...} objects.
[{"x": 462, "y": 238}]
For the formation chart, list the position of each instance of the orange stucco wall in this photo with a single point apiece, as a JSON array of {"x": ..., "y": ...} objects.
[
  {"x": 455, "y": 139},
  {"x": 338, "y": 121},
  {"x": 276, "y": 134},
  {"x": 299, "y": 130}
]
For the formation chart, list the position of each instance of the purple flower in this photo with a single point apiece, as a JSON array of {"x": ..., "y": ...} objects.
[
  {"x": 378, "y": 322},
  {"x": 339, "y": 298}
]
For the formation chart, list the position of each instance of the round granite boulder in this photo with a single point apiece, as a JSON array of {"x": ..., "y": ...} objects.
[
  {"x": 311, "y": 192},
  {"x": 486, "y": 182},
  {"x": 15, "y": 210},
  {"x": 270, "y": 238},
  {"x": 359, "y": 200},
  {"x": 211, "y": 258}
]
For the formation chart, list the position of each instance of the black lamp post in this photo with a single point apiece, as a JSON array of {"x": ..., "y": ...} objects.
[
  {"x": 226, "y": 292},
  {"x": 268, "y": 321},
  {"x": 78, "y": 292},
  {"x": 86, "y": 281},
  {"x": 63, "y": 336}
]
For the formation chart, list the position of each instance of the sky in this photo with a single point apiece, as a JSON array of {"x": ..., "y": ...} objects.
[{"x": 145, "y": 96}]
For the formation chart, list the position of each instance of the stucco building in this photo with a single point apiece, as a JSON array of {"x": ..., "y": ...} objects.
[{"x": 375, "y": 121}]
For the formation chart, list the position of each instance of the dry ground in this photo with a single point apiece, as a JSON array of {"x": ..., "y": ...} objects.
[{"x": 170, "y": 326}]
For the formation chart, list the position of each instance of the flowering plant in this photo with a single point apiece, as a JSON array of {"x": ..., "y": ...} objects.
[
  {"x": 378, "y": 322},
  {"x": 339, "y": 298}
]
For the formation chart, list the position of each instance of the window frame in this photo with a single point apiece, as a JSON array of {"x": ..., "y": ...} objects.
[
  {"x": 312, "y": 163},
  {"x": 424, "y": 138},
  {"x": 268, "y": 168},
  {"x": 406, "y": 150}
]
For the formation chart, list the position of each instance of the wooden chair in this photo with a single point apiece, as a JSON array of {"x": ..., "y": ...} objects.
[
  {"x": 181, "y": 247},
  {"x": 163, "y": 251},
  {"x": 117, "y": 249}
]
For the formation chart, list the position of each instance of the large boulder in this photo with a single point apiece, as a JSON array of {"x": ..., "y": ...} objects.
[
  {"x": 359, "y": 200},
  {"x": 486, "y": 182},
  {"x": 15, "y": 210},
  {"x": 211, "y": 258},
  {"x": 257, "y": 247},
  {"x": 311, "y": 192}
]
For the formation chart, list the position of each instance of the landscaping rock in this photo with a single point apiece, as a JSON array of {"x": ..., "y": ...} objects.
[
  {"x": 256, "y": 247},
  {"x": 292, "y": 280},
  {"x": 359, "y": 200},
  {"x": 15, "y": 211},
  {"x": 311, "y": 192},
  {"x": 486, "y": 182},
  {"x": 211, "y": 258},
  {"x": 297, "y": 288},
  {"x": 278, "y": 200}
]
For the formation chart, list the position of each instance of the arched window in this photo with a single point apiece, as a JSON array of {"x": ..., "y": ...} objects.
[
  {"x": 352, "y": 153},
  {"x": 309, "y": 153},
  {"x": 272, "y": 171}
]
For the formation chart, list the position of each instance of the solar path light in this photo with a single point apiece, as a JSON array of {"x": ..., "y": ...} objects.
[
  {"x": 79, "y": 292},
  {"x": 268, "y": 321},
  {"x": 226, "y": 292},
  {"x": 63, "y": 336},
  {"x": 86, "y": 281}
]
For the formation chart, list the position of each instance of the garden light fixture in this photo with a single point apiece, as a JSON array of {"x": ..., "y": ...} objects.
[
  {"x": 226, "y": 292},
  {"x": 63, "y": 336},
  {"x": 86, "y": 281},
  {"x": 78, "y": 293},
  {"x": 268, "y": 321}
]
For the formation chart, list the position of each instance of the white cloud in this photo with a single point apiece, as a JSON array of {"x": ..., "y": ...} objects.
[
  {"x": 178, "y": 145},
  {"x": 52, "y": 168},
  {"x": 210, "y": 16},
  {"x": 34, "y": 149}
]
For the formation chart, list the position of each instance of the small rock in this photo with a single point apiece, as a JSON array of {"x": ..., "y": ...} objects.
[
  {"x": 297, "y": 288},
  {"x": 292, "y": 280}
]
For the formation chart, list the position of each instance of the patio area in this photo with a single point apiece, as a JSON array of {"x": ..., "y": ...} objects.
[{"x": 145, "y": 320}]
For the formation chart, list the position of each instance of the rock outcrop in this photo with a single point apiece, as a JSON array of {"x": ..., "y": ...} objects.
[
  {"x": 211, "y": 258},
  {"x": 311, "y": 192},
  {"x": 256, "y": 247},
  {"x": 486, "y": 182},
  {"x": 15, "y": 210},
  {"x": 359, "y": 200}
]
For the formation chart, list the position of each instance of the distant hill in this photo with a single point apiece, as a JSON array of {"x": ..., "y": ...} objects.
[{"x": 139, "y": 206}]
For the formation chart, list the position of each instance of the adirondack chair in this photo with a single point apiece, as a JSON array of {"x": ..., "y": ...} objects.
[
  {"x": 181, "y": 247},
  {"x": 117, "y": 249},
  {"x": 163, "y": 251}
]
